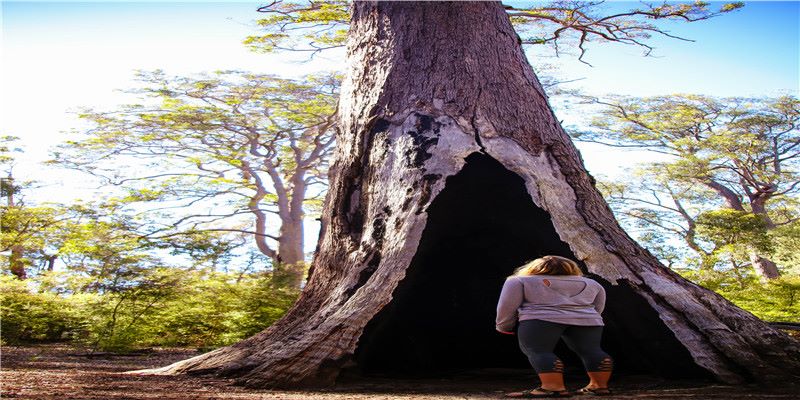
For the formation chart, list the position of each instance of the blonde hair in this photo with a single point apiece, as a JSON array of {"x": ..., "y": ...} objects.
[{"x": 549, "y": 265}]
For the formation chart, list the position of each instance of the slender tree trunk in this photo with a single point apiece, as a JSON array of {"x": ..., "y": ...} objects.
[
  {"x": 737, "y": 270},
  {"x": 51, "y": 262},
  {"x": 16, "y": 262},
  {"x": 291, "y": 257},
  {"x": 765, "y": 268},
  {"x": 290, "y": 245},
  {"x": 436, "y": 91},
  {"x": 730, "y": 197},
  {"x": 290, "y": 260}
]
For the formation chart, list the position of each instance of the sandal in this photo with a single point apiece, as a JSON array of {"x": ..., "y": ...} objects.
[
  {"x": 595, "y": 391},
  {"x": 538, "y": 393}
]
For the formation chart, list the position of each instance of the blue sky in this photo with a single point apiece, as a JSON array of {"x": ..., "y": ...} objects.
[
  {"x": 59, "y": 56},
  {"x": 751, "y": 52}
]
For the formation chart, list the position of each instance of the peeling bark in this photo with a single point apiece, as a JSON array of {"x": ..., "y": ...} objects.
[{"x": 430, "y": 84}]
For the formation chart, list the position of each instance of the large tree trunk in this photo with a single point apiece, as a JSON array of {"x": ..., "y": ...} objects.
[{"x": 450, "y": 171}]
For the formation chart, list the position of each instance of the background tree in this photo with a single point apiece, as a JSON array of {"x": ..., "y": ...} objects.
[
  {"x": 25, "y": 232},
  {"x": 739, "y": 154},
  {"x": 225, "y": 152},
  {"x": 18, "y": 223},
  {"x": 92, "y": 278}
]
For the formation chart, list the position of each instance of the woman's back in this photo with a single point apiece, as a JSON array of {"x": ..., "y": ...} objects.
[
  {"x": 566, "y": 299},
  {"x": 551, "y": 300}
]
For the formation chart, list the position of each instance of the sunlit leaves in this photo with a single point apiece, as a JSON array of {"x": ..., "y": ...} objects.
[
  {"x": 209, "y": 152},
  {"x": 302, "y": 26},
  {"x": 751, "y": 144},
  {"x": 8, "y": 148},
  {"x": 777, "y": 300},
  {"x": 728, "y": 178},
  {"x": 27, "y": 228},
  {"x": 167, "y": 307},
  {"x": 731, "y": 6},
  {"x": 738, "y": 230}
]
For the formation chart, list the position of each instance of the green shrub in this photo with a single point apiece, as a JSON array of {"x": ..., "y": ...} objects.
[
  {"x": 775, "y": 301},
  {"x": 216, "y": 309},
  {"x": 164, "y": 307},
  {"x": 27, "y": 316}
]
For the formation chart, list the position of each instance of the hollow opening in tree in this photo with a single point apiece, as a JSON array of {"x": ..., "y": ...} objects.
[{"x": 481, "y": 227}]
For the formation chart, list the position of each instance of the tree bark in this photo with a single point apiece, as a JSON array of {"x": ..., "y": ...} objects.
[
  {"x": 290, "y": 259},
  {"x": 430, "y": 84},
  {"x": 51, "y": 262},
  {"x": 16, "y": 262},
  {"x": 765, "y": 268}
]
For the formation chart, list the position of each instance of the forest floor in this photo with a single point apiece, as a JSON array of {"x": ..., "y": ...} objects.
[{"x": 63, "y": 372}]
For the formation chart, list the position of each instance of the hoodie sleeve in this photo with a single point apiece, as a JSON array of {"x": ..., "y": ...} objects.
[
  {"x": 600, "y": 300},
  {"x": 510, "y": 300}
]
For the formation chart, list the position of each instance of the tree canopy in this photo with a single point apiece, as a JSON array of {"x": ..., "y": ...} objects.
[
  {"x": 223, "y": 152},
  {"x": 730, "y": 171}
]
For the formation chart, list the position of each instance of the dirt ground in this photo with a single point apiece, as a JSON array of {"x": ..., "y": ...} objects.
[{"x": 61, "y": 372}]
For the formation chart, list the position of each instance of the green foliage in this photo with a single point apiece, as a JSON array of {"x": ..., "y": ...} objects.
[
  {"x": 7, "y": 149},
  {"x": 733, "y": 231},
  {"x": 302, "y": 26},
  {"x": 116, "y": 289},
  {"x": 710, "y": 138},
  {"x": 164, "y": 307},
  {"x": 227, "y": 151},
  {"x": 28, "y": 316},
  {"x": 775, "y": 301},
  {"x": 785, "y": 240},
  {"x": 726, "y": 181},
  {"x": 217, "y": 309},
  {"x": 30, "y": 229}
]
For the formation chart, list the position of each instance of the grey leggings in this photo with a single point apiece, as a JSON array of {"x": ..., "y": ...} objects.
[{"x": 538, "y": 339}]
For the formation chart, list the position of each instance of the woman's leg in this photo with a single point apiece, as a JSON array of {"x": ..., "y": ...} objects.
[
  {"x": 585, "y": 340},
  {"x": 538, "y": 339}
]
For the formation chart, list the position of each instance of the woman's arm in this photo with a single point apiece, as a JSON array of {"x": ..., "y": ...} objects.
[
  {"x": 510, "y": 300},
  {"x": 600, "y": 301}
]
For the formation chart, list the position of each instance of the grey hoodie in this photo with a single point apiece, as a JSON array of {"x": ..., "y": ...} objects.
[{"x": 570, "y": 299}]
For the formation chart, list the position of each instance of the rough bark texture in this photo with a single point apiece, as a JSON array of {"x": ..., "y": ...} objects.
[{"x": 428, "y": 85}]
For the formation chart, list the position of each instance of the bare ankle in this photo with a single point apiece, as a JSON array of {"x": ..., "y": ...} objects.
[{"x": 596, "y": 386}]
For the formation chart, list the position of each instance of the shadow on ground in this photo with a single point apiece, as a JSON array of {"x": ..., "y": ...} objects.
[{"x": 62, "y": 372}]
